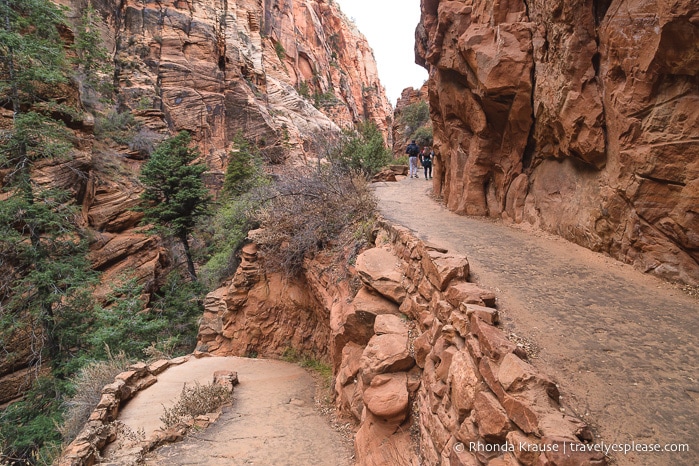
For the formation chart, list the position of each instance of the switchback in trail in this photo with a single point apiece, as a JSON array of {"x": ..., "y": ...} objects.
[
  {"x": 622, "y": 345},
  {"x": 273, "y": 419}
]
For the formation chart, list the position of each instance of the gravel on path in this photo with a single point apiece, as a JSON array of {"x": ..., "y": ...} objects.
[{"x": 621, "y": 344}]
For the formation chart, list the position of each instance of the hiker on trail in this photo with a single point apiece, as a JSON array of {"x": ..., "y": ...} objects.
[
  {"x": 413, "y": 150},
  {"x": 426, "y": 161}
]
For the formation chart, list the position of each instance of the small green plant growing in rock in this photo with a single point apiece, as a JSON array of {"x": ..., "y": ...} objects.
[
  {"x": 323, "y": 369},
  {"x": 279, "y": 49},
  {"x": 195, "y": 401},
  {"x": 304, "y": 90},
  {"x": 414, "y": 116}
]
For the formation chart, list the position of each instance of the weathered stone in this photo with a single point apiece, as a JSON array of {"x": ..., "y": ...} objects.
[
  {"x": 507, "y": 459},
  {"x": 349, "y": 367},
  {"x": 486, "y": 314},
  {"x": 516, "y": 375},
  {"x": 158, "y": 366},
  {"x": 422, "y": 348},
  {"x": 114, "y": 388},
  {"x": 442, "y": 309},
  {"x": 551, "y": 113},
  {"x": 385, "y": 353},
  {"x": 382, "y": 271},
  {"x": 226, "y": 379},
  {"x": 469, "y": 293},
  {"x": 493, "y": 423},
  {"x": 488, "y": 370},
  {"x": 425, "y": 288},
  {"x": 464, "y": 382},
  {"x": 553, "y": 423},
  {"x": 388, "y": 323},
  {"x": 522, "y": 414},
  {"x": 440, "y": 268},
  {"x": 460, "y": 322},
  {"x": 528, "y": 455},
  {"x": 387, "y": 397},
  {"x": 492, "y": 340},
  {"x": 370, "y": 302},
  {"x": 445, "y": 360},
  {"x": 414, "y": 380}
]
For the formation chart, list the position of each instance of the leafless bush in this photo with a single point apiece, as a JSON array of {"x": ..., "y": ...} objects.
[
  {"x": 306, "y": 211},
  {"x": 126, "y": 436},
  {"x": 194, "y": 401},
  {"x": 145, "y": 141},
  {"x": 88, "y": 390}
]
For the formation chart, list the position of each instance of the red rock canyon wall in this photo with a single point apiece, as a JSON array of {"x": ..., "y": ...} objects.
[
  {"x": 579, "y": 117},
  {"x": 283, "y": 72}
]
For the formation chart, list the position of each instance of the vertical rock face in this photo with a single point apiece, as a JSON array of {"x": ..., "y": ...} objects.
[
  {"x": 279, "y": 71},
  {"x": 285, "y": 73},
  {"x": 400, "y": 132},
  {"x": 578, "y": 117}
]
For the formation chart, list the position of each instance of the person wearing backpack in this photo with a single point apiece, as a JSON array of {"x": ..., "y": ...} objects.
[
  {"x": 426, "y": 161},
  {"x": 412, "y": 150}
]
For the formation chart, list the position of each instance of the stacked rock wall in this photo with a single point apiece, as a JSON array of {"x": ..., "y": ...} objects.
[
  {"x": 102, "y": 428},
  {"x": 578, "y": 117},
  {"x": 419, "y": 361}
]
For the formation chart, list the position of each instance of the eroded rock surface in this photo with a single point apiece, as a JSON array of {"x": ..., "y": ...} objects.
[{"x": 578, "y": 117}]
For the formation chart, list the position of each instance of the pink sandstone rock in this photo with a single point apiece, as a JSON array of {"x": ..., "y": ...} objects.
[
  {"x": 573, "y": 116},
  {"x": 382, "y": 271},
  {"x": 387, "y": 397}
]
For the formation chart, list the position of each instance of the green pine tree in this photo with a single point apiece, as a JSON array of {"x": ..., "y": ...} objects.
[
  {"x": 43, "y": 267},
  {"x": 174, "y": 191},
  {"x": 365, "y": 150},
  {"x": 43, "y": 253},
  {"x": 94, "y": 62}
]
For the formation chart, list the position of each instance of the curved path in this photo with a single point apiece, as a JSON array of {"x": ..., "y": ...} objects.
[
  {"x": 273, "y": 419},
  {"x": 622, "y": 345}
]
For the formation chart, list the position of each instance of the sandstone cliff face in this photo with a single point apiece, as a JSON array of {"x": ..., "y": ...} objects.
[
  {"x": 580, "y": 118},
  {"x": 217, "y": 67},
  {"x": 400, "y": 132},
  {"x": 284, "y": 73}
]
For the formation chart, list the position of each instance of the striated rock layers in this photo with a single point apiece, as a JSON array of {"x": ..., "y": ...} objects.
[
  {"x": 418, "y": 361},
  {"x": 579, "y": 117},
  {"x": 284, "y": 74},
  {"x": 287, "y": 74}
]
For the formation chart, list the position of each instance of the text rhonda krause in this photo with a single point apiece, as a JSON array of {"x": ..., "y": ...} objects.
[{"x": 606, "y": 448}]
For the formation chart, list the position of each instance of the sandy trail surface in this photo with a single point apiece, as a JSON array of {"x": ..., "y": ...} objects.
[
  {"x": 273, "y": 419},
  {"x": 622, "y": 345}
]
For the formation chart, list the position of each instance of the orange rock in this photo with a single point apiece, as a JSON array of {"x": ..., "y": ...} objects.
[
  {"x": 562, "y": 115},
  {"x": 387, "y": 397}
]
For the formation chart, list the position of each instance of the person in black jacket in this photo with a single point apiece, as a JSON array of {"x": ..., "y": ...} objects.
[
  {"x": 412, "y": 150},
  {"x": 426, "y": 161}
]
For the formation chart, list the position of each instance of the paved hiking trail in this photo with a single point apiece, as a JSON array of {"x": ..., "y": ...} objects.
[
  {"x": 273, "y": 419},
  {"x": 622, "y": 345}
]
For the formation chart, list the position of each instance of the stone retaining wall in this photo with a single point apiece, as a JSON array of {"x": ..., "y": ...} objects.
[
  {"x": 101, "y": 428},
  {"x": 437, "y": 367}
]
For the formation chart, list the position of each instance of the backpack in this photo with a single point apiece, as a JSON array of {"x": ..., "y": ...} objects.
[
  {"x": 426, "y": 161},
  {"x": 412, "y": 150}
]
